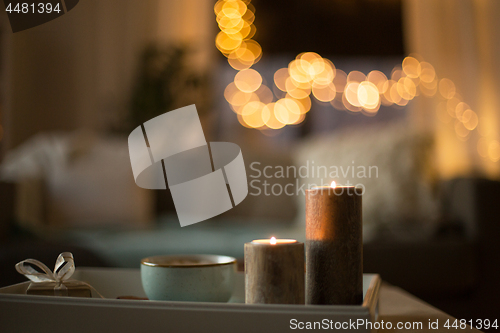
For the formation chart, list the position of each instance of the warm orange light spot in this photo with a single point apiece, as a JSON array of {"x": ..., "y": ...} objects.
[
  {"x": 303, "y": 103},
  {"x": 447, "y": 88},
  {"x": 269, "y": 117},
  {"x": 406, "y": 88},
  {"x": 237, "y": 63},
  {"x": 482, "y": 147},
  {"x": 460, "y": 109},
  {"x": 226, "y": 22},
  {"x": 461, "y": 130},
  {"x": 410, "y": 67},
  {"x": 236, "y": 97},
  {"x": 394, "y": 94},
  {"x": 386, "y": 96},
  {"x": 368, "y": 95},
  {"x": 287, "y": 111},
  {"x": 249, "y": 15},
  {"x": 356, "y": 76},
  {"x": 351, "y": 93},
  {"x": 227, "y": 43},
  {"x": 326, "y": 76},
  {"x": 282, "y": 114},
  {"x": 402, "y": 102},
  {"x": 273, "y": 241},
  {"x": 247, "y": 53},
  {"x": 348, "y": 105},
  {"x": 340, "y": 80},
  {"x": 378, "y": 79},
  {"x": 494, "y": 150},
  {"x": 470, "y": 119},
  {"x": 253, "y": 47},
  {"x": 252, "y": 114},
  {"x": 280, "y": 77},
  {"x": 297, "y": 69},
  {"x": 324, "y": 93},
  {"x": 290, "y": 104},
  {"x": 333, "y": 184},
  {"x": 309, "y": 56},
  {"x": 248, "y": 80},
  {"x": 293, "y": 89},
  {"x": 426, "y": 72},
  {"x": 396, "y": 74},
  {"x": 234, "y": 8}
]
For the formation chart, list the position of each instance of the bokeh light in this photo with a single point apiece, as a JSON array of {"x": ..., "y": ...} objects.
[
  {"x": 447, "y": 88},
  {"x": 252, "y": 114},
  {"x": 482, "y": 147},
  {"x": 293, "y": 90},
  {"x": 227, "y": 43},
  {"x": 469, "y": 119},
  {"x": 461, "y": 130},
  {"x": 280, "y": 77},
  {"x": 494, "y": 150},
  {"x": 324, "y": 93},
  {"x": 248, "y": 80},
  {"x": 368, "y": 96},
  {"x": 411, "y": 67},
  {"x": 426, "y": 72},
  {"x": 269, "y": 116},
  {"x": 351, "y": 93},
  {"x": 356, "y": 76},
  {"x": 303, "y": 103},
  {"x": 311, "y": 76},
  {"x": 378, "y": 79},
  {"x": 235, "y": 96}
]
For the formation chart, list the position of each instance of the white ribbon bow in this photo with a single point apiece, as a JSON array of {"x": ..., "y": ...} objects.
[{"x": 64, "y": 268}]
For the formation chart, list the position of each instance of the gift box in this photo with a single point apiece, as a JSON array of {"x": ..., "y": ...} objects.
[
  {"x": 71, "y": 288},
  {"x": 54, "y": 283}
]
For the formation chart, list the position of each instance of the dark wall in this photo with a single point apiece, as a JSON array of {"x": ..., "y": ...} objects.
[{"x": 330, "y": 27}]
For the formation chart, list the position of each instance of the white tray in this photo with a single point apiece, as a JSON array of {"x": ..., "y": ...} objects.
[{"x": 23, "y": 313}]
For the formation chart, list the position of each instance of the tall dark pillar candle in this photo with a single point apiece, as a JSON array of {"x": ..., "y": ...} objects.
[{"x": 334, "y": 246}]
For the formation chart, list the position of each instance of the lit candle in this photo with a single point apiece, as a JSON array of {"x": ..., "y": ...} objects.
[
  {"x": 274, "y": 271},
  {"x": 334, "y": 245}
]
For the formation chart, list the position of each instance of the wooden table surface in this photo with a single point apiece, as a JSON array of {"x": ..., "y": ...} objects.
[{"x": 396, "y": 305}]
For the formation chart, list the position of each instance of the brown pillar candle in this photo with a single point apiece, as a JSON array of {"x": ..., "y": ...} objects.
[
  {"x": 274, "y": 271},
  {"x": 334, "y": 246}
]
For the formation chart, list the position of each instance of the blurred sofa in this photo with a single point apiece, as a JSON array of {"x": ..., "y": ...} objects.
[{"x": 448, "y": 255}]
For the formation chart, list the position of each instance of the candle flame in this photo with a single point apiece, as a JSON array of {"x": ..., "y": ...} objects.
[
  {"x": 333, "y": 184},
  {"x": 273, "y": 241}
]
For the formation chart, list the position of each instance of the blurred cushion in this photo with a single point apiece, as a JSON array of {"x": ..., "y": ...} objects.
[
  {"x": 79, "y": 179},
  {"x": 392, "y": 163}
]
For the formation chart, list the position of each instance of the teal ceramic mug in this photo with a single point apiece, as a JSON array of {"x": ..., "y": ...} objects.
[{"x": 197, "y": 278}]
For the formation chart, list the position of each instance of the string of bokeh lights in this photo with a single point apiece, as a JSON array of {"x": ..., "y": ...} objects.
[{"x": 259, "y": 107}]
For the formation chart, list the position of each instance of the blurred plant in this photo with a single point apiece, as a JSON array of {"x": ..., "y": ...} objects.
[{"x": 165, "y": 82}]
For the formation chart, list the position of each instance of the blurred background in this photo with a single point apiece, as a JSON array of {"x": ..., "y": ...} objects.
[{"x": 408, "y": 87}]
